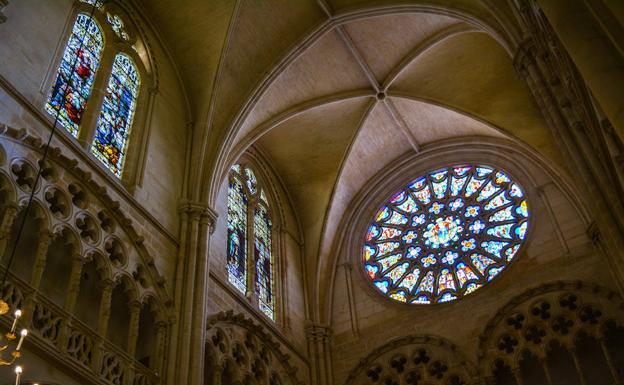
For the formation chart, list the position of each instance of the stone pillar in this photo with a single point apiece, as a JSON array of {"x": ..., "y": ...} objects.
[
  {"x": 566, "y": 104},
  {"x": 186, "y": 363},
  {"x": 133, "y": 327},
  {"x": 594, "y": 53},
  {"x": 579, "y": 369},
  {"x": 610, "y": 363},
  {"x": 73, "y": 288},
  {"x": 103, "y": 318},
  {"x": 159, "y": 351},
  {"x": 319, "y": 338},
  {"x": 10, "y": 214},
  {"x": 45, "y": 238}
]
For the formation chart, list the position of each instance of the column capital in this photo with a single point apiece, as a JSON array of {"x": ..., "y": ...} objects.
[
  {"x": 524, "y": 56},
  {"x": 317, "y": 332},
  {"x": 199, "y": 211}
]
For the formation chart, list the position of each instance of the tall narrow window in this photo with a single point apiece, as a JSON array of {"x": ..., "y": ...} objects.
[
  {"x": 237, "y": 235},
  {"x": 248, "y": 216},
  {"x": 263, "y": 260},
  {"x": 71, "y": 89},
  {"x": 115, "y": 121}
]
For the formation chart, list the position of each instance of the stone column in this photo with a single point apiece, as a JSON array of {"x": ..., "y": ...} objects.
[
  {"x": 186, "y": 361},
  {"x": 133, "y": 327},
  {"x": 45, "y": 238},
  {"x": 103, "y": 318},
  {"x": 10, "y": 214},
  {"x": 73, "y": 288},
  {"x": 159, "y": 351},
  {"x": 612, "y": 367},
  {"x": 319, "y": 338},
  {"x": 579, "y": 369},
  {"x": 595, "y": 55}
]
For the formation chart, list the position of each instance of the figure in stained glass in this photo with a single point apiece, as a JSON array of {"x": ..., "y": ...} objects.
[
  {"x": 74, "y": 80},
  {"x": 446, "y": 234},
  {"x": 246, "y": 199},
  {"x": 115, "y": 121}
]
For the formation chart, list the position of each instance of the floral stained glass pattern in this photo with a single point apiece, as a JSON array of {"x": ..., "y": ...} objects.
[
  {"x": 117, "y": 25},
  {"x": 113, "y": 126},
  {"x": 76, "y": 73},
  {"x": 446, "y": 234},
  {"x": 263, "y": 260},
  {"x": 237, "y": 236}
]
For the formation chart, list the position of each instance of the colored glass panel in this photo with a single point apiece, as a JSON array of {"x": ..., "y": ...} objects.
[
  {"x": 115, "y": 121},
  {"x": 446, "y": 234},
  {"x": 76, "y": 74},
  {"x": 237, "y": 236},
  {"x": 263, "y": 260}
]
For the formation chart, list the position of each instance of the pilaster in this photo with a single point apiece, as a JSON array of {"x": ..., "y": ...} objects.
[
  {"x": 186, "y": 359},
  {"x": 319, "y": 345}
]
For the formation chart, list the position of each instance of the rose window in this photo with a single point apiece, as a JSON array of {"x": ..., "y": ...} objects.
[{"x": 446, "y": 234}]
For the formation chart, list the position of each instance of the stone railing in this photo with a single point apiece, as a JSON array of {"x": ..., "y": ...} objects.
[{"x": 72, "y": 342}]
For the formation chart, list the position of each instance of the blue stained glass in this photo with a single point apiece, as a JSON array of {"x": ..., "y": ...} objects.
[
  {"x": 446, "y": 234},
  {"x": 263, "y": 261},
  {"x": 237, "y": 236},
  {"x": 457, "y": 185},
  {"x": 72, "y": 86},
  {"x": 115, "y": 121}
]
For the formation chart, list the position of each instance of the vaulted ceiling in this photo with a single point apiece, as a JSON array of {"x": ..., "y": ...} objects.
[{"x": 331, "y": 92}]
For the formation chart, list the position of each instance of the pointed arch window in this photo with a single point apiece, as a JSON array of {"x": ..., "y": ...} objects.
[
  {"x": 115, "y": 121},
  {"x": 249, "y": 233},
  {"x": 102, "y": 122},
  {"x": 72, "y": 89}
]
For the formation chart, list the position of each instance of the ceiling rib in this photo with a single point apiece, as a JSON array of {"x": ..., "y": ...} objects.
[
  {"x": 427, "y": 44},
  {"x": 344, "y": 35},
  {"x": 400, "y": 122}
]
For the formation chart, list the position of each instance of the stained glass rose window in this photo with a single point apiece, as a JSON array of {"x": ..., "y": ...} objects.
[{"x": 446, "y": 234}]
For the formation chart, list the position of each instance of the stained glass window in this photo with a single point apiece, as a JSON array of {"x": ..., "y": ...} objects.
[
  {"x": 246, "y": 199},
  {"x": 237, "y": 235},
  {"x": 263, "y": 260},
  {"x": 71, "y": 89},
  {"x": 117, "y": 25},
  {"x": 115, "y": 121},
  {"x": 446, "y": 234}
]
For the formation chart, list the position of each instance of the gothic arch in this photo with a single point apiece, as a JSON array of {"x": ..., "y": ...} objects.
[
  {"x": 414, "y": 359},
  {"x": 556, "y": 314}
]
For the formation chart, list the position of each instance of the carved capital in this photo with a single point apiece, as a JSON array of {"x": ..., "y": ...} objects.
[
  {"x": 316, "y": 332},
  {"x": 198, "y": 211},
  {"x": 593, "y": 232},
  {"x": 524, "y": 57}
]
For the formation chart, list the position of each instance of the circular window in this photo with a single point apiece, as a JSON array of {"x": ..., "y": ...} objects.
[{"x": 445, "y": 234}]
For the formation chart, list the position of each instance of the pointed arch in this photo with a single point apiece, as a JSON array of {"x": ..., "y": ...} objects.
[
  {"x": 117, "y": 113},
  {"x": 76, "y": 73}
]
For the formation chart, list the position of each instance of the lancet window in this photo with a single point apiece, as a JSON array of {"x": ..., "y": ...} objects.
[
  {"x": 249, "y": 240},
  {"x": 104, "y": 121}
]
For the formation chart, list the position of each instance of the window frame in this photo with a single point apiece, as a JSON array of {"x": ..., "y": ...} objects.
[
  {"x": 136, "y": 143},
  {"x": 253, "y": 201}
]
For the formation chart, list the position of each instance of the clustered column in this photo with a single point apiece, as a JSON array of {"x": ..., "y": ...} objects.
[{"x": 186, "y": 358}]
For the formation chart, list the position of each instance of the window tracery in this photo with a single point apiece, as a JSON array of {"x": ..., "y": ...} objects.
[
  {"x": 446, "y": 234},
  {"x": 250, "y": 233},
  {"x": 109, "y": 118}
]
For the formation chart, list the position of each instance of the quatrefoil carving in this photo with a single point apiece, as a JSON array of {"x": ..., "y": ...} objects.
[
  {"x": 116, "y": 253},
  {"x": 79, "y": 197},
  {"x": 88, "y": 228},
  {"x": 58, "y": 202},
  {"x": 24, "y": 174}
]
